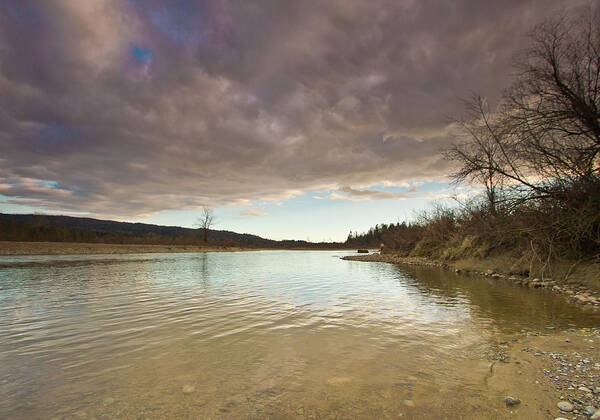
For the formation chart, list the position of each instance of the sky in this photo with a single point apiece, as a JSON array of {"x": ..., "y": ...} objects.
[{"x": 291, "y": 119}]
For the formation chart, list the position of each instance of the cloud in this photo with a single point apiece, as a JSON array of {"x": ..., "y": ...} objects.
[
  {"x": 352, "y": 194},
  {"x": 134, "y": 108},
  {"x": 252, "y": 213}
]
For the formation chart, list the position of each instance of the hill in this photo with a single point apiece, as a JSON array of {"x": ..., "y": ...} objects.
[{"x": 33, "y": 227}]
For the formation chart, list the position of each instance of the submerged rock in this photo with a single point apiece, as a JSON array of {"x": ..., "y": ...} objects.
[{"x": 188, "y": 389}]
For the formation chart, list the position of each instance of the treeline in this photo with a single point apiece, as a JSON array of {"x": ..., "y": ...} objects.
[
  {"x": 399, "y": 237},
  {"x": 46, "y": 228},
  {"x": 43, "y": 232},
  {"x": 536, "y": 155}
]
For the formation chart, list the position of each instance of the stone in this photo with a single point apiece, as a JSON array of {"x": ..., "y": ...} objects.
[
  {"x": 510, "y": 401},
  {"x": 589, "y": 410},
  {"x": 584, "y": 389},
  {"x": 565, "y": 406},
  {"x": 188, "y": 389},
  {"x": 596, "y": 415}
]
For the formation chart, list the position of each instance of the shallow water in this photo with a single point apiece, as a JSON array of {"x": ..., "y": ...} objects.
[{"x": 279, "y": 334}]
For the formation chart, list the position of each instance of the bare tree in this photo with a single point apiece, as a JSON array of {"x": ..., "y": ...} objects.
[
  {"x": 553, "y": 105},
  {"x": 538, "y": 152},
  {"x": 545, "y": 135},
  {"x": 480, "y": 150},
  {"x": 205, "y": 221}
]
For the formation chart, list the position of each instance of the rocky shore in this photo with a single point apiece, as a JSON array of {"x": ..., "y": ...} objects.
[
  {"x": 557, "y": 372},
  {"x": 574, "y": 292}
]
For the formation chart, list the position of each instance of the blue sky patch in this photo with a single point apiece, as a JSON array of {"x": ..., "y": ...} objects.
[{"x": 141, "y": 54}]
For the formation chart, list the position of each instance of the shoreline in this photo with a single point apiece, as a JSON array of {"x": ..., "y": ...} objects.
[
  {"x": 576, "y": 293},
  {"x": 10, "y": 248},
  {"x": 543, "y": 370},
  {"x": 22, "y": 248}
]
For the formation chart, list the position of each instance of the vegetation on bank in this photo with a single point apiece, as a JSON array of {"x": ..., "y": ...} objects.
[{"x": 536, "y": 155}]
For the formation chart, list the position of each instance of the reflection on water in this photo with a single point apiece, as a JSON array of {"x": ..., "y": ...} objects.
[{"x": 255, "y": 334}]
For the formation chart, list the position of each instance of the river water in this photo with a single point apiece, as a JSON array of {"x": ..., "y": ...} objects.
[{"x": 265, "y": 334}]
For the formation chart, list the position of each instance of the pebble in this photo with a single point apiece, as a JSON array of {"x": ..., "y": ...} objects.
[
  {"x": 565, "y": 406},
  {"x": 596, "y": 415},
  {"x": 589, "y": 410},
  {"x": 188, "y": 389},
  {"x": 510, "y": 401}
]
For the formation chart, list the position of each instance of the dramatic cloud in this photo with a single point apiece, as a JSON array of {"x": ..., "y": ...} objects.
[{"x": 125, "y": 108}]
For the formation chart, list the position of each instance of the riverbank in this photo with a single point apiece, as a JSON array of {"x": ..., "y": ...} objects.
[
  {"x": 573, "y": 289},
  {"x": 83, "y": 248},
  {"x": 66, "y": 248},
  {"x": 552, "y": 374}
]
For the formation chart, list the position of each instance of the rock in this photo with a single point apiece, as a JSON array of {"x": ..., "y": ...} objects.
[
  {"x": 510, "y": 401},
  {"x": 589, "y": 410},
  {"x": 188, "y": 389},
  {"x": 565, "y": 406},
  {"x": 596, "y": 415},
  {"x": 584, "y": 389},
  {"x": 567, "y": 340},
  {"x": 489, "y": 272}
]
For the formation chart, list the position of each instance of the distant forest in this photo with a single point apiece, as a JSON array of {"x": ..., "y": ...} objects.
[{"x": 46, "y": 228}]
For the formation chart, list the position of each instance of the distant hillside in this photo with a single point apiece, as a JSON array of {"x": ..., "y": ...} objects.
[{"x": 33, "y": 227}]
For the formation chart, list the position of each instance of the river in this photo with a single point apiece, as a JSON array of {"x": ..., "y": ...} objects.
[{"x": 279, "y": 334}]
